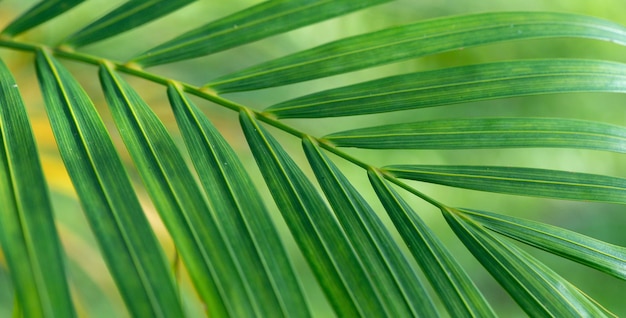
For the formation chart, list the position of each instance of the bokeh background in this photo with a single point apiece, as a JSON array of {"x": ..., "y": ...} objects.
[{"x": 94, "y": 289}]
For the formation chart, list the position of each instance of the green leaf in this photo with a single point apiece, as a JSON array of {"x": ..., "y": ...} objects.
[
  {"x": 255, "y": 23},
  {"x": 130, "y": 248},
  {"x": 314, "y": 228},
  {"x": 395, "y": 282},
  {"x": 459, "y": 85},
  {"x": 520, "y": 181},
  {"x": 597, "y": 254},
  {"x": 242, "y": 215},
  {"x": 214, "y": 271},
  {"x": 474, "y": 133},
  {"x": 129, "y": 15},
  {"x": 43, "y": 11},
  {"x": 28, "y": 235},
  {"x": 454, "y": 287},
  {"x": 536, "y": 288},
  {"x": 415, "y": 40}
]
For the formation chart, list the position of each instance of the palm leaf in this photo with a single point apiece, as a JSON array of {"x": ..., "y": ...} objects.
[
  {"x": 255, "y": 23},
  {"x": 324, "y": 244},
  {"x": 38, "y": 14},
  {"x": 520, "y": 181},
  {"x": 216, "y": 274},
  {"x": 602, "y": 256},
  {"x": 474, "y": 133},
  {"x": 396, "y": 283},
  {"x": 239, "y": 208},
  {"x": 457, "y": 291},
  {"x": 415, "y": 40},
  {"x": 537, "y": 289},
  {"x": 125, "y": 17},
  {"x": 459, "y": 84},
  {"x": 28, "y": 235},
  {"x": 235, "y": 249},
  {"x": 115, "y": 215}
]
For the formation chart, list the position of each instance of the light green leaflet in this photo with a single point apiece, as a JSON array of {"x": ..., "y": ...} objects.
[
  {"x": 130, "y": 249},
  {"x": 597, "y": 254},
  {"x": 28, "y": 236},
  {"x": 520, "y": 181},
  {"x": 252, "y": 24},
  {"x": 415, "y": 40},
  {"x": 455, "y": 289},
  {"x": 394, "y": 280},
  {"x": 129, "y": 15},
  {"x": 459, "y": 85},
  {"x": 40, "y": 13},
  {"x": 536, "y": 288},
  {"x": 241, "y": 214},
  {"x": 474, "y": 133},
  {"x": 213, "y": 268},
  {"x": 332, "y": 258}
]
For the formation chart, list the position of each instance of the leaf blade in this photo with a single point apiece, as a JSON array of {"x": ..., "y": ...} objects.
[
  {"x": 239, "y": 206},
  {"x": 252, "y": 24},
  {"x": 129, "y": 246},
  {"x": 520, "y": 181},
  {"x": 415, "y": 40},
  {"x": 179, "y": 201},
  {"x": 455, "y": 289},
  {"x": 605, "y": 257},
  {"x": 320, "y": 238},
  {"x": 38, "y": 14},
  {"x": 396, "y": 283},
  {"x": 129, "y": 15},
  {"x": 478, "y": 133},
  {"x": 29, "y": 238},
  {"x": 536, "y": 288},
  {"x": 459, "y": 85}
]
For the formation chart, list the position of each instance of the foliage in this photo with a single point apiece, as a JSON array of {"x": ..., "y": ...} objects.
[{"x": 371, "y": 253}]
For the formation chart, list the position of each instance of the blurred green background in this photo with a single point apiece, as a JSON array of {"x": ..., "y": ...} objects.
[{"x": 93, "y": 287}]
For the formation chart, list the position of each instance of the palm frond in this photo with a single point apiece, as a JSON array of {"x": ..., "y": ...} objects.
[{"x": 367, "y": 252}]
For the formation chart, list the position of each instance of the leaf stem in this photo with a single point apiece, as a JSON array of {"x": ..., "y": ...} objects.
[{"x": 209, "y": 95}]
